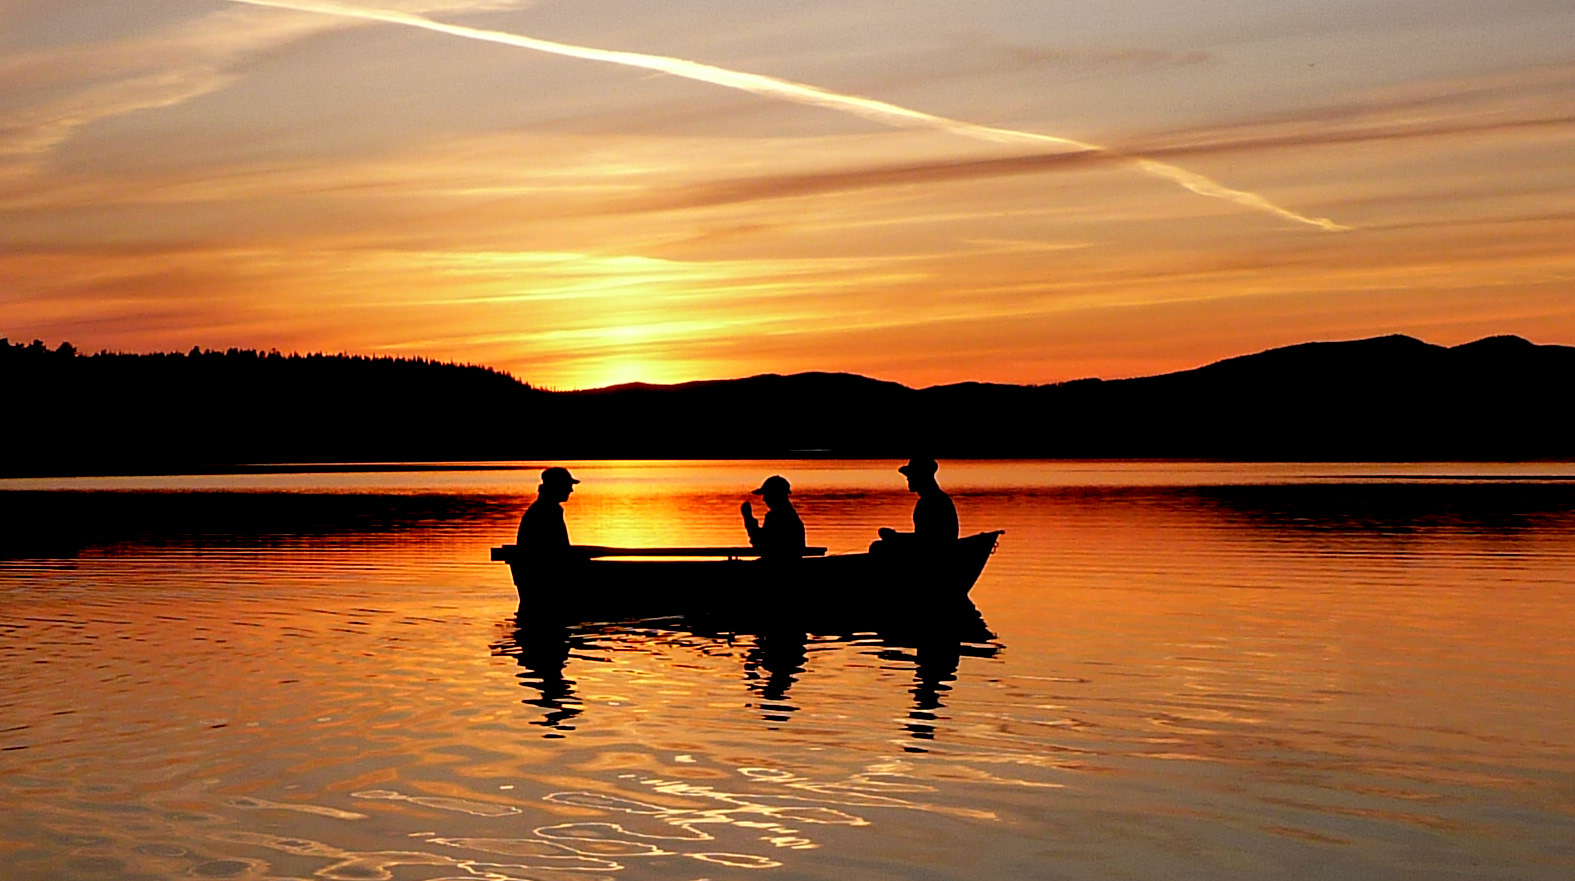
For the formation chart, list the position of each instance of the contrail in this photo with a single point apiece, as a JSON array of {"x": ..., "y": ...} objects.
[{"x": 868, "y": 108}]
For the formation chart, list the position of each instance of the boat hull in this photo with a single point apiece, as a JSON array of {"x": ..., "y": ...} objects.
[{"x": 847, "y": 587}]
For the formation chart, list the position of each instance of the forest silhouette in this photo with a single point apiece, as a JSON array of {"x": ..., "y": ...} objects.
[{"x": 1391, "y": 398}]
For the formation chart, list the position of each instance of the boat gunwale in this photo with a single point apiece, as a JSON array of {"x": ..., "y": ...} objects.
[{"x": 509, "y": 554}]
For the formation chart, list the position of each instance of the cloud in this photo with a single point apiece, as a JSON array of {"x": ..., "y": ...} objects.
[
  {"x": 800, "y": 93},
  {"x": 1313, "y": 131},
  {"x": 578, "y": 189},
  {"x": 995, "y": 55},
  {"x": 54, "y": 92},
  {"x": 77, "y": 85},
  {"x": 1441, "y": 105}
]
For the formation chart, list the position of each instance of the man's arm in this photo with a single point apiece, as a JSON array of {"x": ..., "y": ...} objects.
[{"x": 750, "y": 524}]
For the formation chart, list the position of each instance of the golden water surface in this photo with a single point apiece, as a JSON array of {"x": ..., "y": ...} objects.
[{"x": 1193, "y": 671}]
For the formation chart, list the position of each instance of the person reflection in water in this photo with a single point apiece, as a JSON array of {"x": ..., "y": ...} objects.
[
  {"x": 542, "y": 650},
  {"x": 934, "y": 515},
  {"x": 543, "y": 535},
  {"x": 772, "y": 665},
  {"x": 781, "y": 536}
]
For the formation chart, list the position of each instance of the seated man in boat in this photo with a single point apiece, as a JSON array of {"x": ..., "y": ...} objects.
[
  {"x": 782, "y": 533},
  {"x": 934, "y": 515},
  {"x": 543, "y": 535}
]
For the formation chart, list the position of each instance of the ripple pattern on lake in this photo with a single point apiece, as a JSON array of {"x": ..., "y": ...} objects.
[{"x": 1368, "y": 678}]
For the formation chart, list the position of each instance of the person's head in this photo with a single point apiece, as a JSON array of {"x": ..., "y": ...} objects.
[
  {"x": 775, "y": 490},
  {"x": 556, "y": 482},
  {"x": 920, "y": 473}
]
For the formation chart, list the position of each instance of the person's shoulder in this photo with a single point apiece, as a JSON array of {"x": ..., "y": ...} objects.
[{"x": 543, "y": 508}]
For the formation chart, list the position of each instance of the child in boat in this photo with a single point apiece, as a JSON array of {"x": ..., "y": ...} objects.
[{"x": 782, "y": 533}]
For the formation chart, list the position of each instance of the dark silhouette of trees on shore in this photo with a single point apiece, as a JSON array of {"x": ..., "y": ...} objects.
[
  {"x": 205, "y": 408},
  {"x": 1386, "y": 398}
]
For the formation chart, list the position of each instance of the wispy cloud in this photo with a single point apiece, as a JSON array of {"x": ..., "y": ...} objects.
[
  {"x": 1526, "y": 97},
  {"x": 995, "y": 55},
  {"x": 488, "y": 168},
  {"x": 558, "y": 317},
  {"x": 867, "y": 108},
  {"x": 1313, "y": 130},
  {"x": 75, "y": 85},
  {"x": 577, "y": 257}
]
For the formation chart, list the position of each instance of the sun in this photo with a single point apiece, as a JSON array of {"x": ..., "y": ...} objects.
[{"x": 619, "y": 370}]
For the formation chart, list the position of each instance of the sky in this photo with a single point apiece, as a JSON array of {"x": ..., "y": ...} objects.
[{"x": 587, "y": 192}]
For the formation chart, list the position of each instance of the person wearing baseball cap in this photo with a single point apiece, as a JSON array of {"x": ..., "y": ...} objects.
[
  {"x": 934, "y": 515},
  {"x": 543, "y": 534},
  {"x": 781, "y": 536}
]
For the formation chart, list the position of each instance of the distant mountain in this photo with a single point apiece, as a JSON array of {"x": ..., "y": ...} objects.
[
  {"x": 1387, "y": 398},
  {"x": 1390, "y": 397}
]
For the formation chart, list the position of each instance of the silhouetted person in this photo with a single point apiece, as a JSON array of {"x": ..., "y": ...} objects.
[
  {"x": 782, "y": 534},
  {"x": 543, "y": 535},
  {"x": 934, "y": 515}
]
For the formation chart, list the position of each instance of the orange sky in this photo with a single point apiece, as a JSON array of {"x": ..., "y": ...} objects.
[{"x": 924, "y": 192}]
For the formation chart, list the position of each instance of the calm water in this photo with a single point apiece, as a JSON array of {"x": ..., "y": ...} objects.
[{"x": 1197, "y": 671}]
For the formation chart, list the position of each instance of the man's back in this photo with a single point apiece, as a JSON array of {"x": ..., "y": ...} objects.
[
  {"x": 781, "y": 533},
  {"x": 935, "y": 517},
  {"x": 542, "y": 530}
]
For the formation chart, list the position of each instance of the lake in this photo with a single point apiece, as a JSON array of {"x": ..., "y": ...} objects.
[{"x": 1191, "y": 671}]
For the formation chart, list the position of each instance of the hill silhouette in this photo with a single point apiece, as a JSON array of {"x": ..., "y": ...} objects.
[
  {"x": 1386, "y": 398},
  {"x": 120, "y": 413}
]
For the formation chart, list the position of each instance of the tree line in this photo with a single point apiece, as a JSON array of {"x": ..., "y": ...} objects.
[{"x": 1387, "y": 398}]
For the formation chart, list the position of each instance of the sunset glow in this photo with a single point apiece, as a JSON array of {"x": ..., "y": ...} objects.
[{"x": 593, "y": 194}]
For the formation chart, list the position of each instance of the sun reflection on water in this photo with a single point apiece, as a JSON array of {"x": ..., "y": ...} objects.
[{"x": 1246, "y": 679}]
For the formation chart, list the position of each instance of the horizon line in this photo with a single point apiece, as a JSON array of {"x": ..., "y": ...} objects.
[{"x": 73, "y": 351}]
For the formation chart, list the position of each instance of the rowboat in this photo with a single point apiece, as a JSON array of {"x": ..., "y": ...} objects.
[{"x": 891, "y": 580}]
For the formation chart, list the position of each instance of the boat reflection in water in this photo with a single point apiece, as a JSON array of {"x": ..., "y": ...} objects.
[
  {"x": 772, "y": 644},
  {"x": 910, "y": 602}
]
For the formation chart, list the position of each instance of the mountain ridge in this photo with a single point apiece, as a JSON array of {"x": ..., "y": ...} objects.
[{"x": 1388, "y": 398}]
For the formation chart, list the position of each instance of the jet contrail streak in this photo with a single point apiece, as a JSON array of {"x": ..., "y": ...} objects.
[{"x": 868, "y": 108}]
